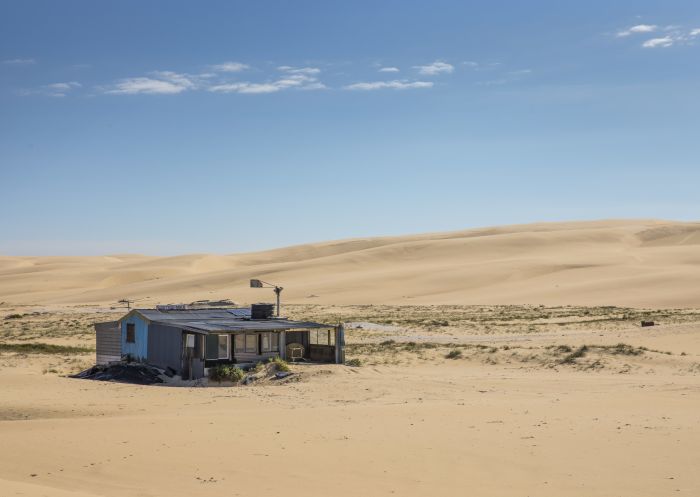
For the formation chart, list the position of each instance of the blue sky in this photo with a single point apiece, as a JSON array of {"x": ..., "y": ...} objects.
[{"x": 168, "y": 127}]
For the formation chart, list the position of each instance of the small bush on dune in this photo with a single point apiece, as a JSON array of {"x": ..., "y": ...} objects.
[
  {"x": 571, "y": 358},
  {"x": 226, "y": 372},
  {"x": 355, "y": 363},
  {"x": 454, "y": 354},
  {"x": 279, "y": 363}
]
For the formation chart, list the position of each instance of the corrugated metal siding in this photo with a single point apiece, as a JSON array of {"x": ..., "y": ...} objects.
[
  {"x": 107, "y": 342},
  {"x": 138, "y": 350},
  {"x": 165, "y": 346}
]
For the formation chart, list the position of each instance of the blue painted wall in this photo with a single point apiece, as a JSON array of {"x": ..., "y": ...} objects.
[{"x": 138, "y": 350}]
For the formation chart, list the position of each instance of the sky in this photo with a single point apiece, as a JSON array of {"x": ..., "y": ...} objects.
[{"x": 170, "y": 127}]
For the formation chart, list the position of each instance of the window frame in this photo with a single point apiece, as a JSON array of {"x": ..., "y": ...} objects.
[
  {"x": 239, "y": 337},
  {"x": 255, "y": 346},
  {"x": 130, "y": 333},
  {"x": 328, "y": 338},
  {"x": 228, "y": 347}
]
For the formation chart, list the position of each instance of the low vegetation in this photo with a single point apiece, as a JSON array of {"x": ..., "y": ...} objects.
[
  {"x": 43, "y": 348},
  {"x": 454, "y": 354},
  {"x": 280, "y": 364},
  {"x": 490, "y": 319},
  {"x": 226, "y": 372}
]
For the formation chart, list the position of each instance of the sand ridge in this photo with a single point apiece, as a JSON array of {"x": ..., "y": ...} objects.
[{"x": 642, "y": 263}]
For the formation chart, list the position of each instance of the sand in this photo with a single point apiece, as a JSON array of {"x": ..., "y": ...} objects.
[
  {"x": 631, "y": 263},
  {"x": 518, "y": 412}
]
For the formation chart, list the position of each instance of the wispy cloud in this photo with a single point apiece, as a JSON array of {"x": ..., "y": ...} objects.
[
  {"x": 639, "y": 28},
  {"x": 299, "y": 70},
  {"x": 663, "y": 42},
  {"x": 393, "y": 85},
  {"x": 160, "y": 83},
  {"x": 19, "y": 62},
  {"x": 53, "y": 89},
  {"x": 389, "y": 69},
  {"x": 666, "y": 36},
  {"x": 245, "y": 87},
  {"x": 230, "y": 67},
  {"x": 302, "y": 78},
  {"x": 437, "y": 67}
]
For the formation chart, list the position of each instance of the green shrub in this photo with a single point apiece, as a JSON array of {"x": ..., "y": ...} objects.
[
  {"x": 226, "y": 372},
  {"x": 280, "y": 364},
  {"x": 14, "y": 316},
  {"x": 355, "y": 363},
  {"x": 454, "y": 354}
]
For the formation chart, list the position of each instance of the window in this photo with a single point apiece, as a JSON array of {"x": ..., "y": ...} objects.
[
  {"x": 322, "y": 337},
  {"x": 251, "y": 344},
  {"x": 240, "y": 343},
  {"x": 130, "y": 333},
  {"x": 217, "y": 347},
  {"x": 223, "y": 346},
  {"x": 269, "y": 342}
]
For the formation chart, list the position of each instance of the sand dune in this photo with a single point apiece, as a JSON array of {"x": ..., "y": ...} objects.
[{"x": 642, "y": 263}]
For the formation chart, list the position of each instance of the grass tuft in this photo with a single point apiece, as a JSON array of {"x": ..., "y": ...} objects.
[{"x": 454, "y": 354}]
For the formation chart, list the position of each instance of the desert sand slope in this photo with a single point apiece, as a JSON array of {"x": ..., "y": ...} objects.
[{"x": 634, "y": 263}]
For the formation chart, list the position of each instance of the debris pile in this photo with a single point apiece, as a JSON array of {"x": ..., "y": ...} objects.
[{"x": 140, "y": 374}]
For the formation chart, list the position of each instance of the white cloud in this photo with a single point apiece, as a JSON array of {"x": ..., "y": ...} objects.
[
  {"x": 64, "y": 86},
  {"x": 437, "y": 67},
  {"x": 133, "y": 86},
  {"x": 294, "y": 79},
  {"x": 388, "y": 69},
  {"x": 299, "y": 70},
  {"x": 245, "y": 87},
  {"x": 664, "y": 42},
  {"x": 53, "y": 89},
  {"x": 671, "y": 35},
  {"x": 162, "y": 83},
  {"x": 230, "y": 67},
  {"x": 639, "y": 28},
  {"x": 314, "y": 86},
  {"x": 394, "y": 85}
]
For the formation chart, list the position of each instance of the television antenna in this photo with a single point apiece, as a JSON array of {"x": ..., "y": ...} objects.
[
  {"x": 264, "y": 284},
  {"x": 128, "y": 302}
]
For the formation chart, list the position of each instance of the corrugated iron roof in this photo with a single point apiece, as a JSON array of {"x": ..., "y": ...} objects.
[
  {"x": 222, "y": 320},
  {"x": 233, "y": 325}
]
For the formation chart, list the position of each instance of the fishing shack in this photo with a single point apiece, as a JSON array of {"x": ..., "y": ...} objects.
[{"x": 188, "y": 341}]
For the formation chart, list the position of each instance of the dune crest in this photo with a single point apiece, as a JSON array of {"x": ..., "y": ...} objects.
[{"x": 643, "y": 263}]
